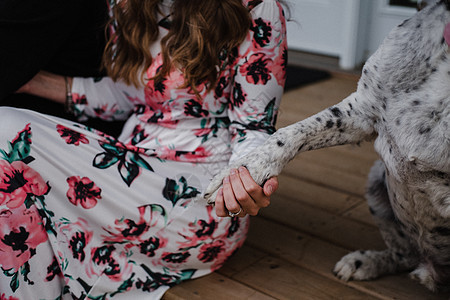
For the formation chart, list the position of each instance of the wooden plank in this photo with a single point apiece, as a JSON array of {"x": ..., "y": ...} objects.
[
  {"x": 315, "y": 195},
  {"x": 283, "y": 280},
  {"x": 339, "y": 230},
  {"x": 320, "y": 257},
  {"x": 351, "y": 159},
  {"x": 360, "y": 213},
  {"x": 315, "y": 97},
  {"x": 333, "y": 178},
  {"x": 244, "y": 258},
  {"x": 214, "y": 286}
]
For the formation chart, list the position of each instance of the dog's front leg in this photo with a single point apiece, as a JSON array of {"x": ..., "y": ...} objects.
[{"x": 350, "y": 121}]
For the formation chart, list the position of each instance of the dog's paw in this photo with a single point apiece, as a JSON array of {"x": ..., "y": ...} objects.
[
  {"x": 358, "y": 265},
  {"x": 423, "y": 275}
]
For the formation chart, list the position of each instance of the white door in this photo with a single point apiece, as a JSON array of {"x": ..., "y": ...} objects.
[
  {"x": 348, "y": 29},
  {"x": 327, "y": 27},
  {"x": 384, "y": 16}
]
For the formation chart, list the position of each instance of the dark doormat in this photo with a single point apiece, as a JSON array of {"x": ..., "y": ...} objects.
[{"x": 297, "y": 76}]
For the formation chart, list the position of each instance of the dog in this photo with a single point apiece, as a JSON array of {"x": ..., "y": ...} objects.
[{"x": 403, "y": 102}]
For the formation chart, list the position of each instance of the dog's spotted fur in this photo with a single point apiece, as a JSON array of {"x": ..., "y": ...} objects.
[{"x": 402, "y": 99}]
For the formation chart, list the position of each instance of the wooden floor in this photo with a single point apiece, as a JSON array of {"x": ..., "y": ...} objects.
[{"x": 317, "y": 215}]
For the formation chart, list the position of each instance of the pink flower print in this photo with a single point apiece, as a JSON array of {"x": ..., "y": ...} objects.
[
  {"x": 83, "y": 191},
  {"x": 17, "y": 180},
  {"x": 79, "y": 99},
  {"x": 78, "y": 236},
  {"x": 202, "y": 132},
  {"x": 21, "y": 231},
  {"x": 175, "y": 258},
  {"x": 71, "y": 136},
  {"x": 257, "y": 69},
  {"x": 200, "y": 231},
  {"x": 209, "y": 252},
  {"x": 137, "y": 231},
  {"x": 197, "y": 154},
  {"x": 279, "y": 66},
  {"x": 109, "y": 261},
  {"x": 4, "y": 297}
]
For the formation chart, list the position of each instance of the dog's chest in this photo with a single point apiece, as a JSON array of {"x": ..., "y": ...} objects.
[{"x": 414, "y": 126}]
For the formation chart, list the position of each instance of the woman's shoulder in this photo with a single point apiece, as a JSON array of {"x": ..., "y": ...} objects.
[
  {"x": 251, "y": 4},
  {"x": 267, "y": 9},
  {"x": 264, "y": 7}
]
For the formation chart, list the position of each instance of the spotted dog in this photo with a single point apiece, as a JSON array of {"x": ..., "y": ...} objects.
[{"x": 403, "y": 102}]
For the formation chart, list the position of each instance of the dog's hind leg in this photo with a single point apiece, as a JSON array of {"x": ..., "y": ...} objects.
[{"x": 400, "y": 254}]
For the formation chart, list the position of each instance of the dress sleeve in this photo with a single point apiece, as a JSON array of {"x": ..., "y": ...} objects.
[
  {"x": 259, "y": 74},
  {"x": 103, "y": 98}
]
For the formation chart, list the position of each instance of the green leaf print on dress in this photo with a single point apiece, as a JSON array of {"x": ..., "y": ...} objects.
[
  {"x": 175, "y": 192},
  {"x": 129, "y": 161},
  {"x": 19, "y": 147}
]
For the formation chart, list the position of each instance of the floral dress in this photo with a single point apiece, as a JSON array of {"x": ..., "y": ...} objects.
[{"x": 84, "y": 215}]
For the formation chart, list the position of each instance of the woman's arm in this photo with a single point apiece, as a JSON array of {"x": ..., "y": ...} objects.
[
  {"x": 259, "y": 76},
  {"x": 47, "y": 85},
  {"x": 92, "y": 97}
]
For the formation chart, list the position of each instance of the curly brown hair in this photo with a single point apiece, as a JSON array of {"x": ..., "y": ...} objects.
[{"x": 200, "y": 32}]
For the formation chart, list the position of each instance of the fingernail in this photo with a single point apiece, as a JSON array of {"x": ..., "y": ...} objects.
[
  {"x": 233, "y": 172},
  {"x": 270, "y": 189},
  {"x": 241, "y": 169},
  {"x": 226, "y": 180}
]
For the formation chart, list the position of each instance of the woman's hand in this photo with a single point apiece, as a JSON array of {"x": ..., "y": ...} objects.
[
  {"x": 241, "y": 195},
  {"x": 47, "y": 85}
]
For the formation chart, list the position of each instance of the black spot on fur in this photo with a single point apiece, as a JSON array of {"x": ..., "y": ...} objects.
[
  {"x": 280, "y": 143},
  {"x": 358, "y": 264},
  {"x": 441, "y": 230},
  {"x": 416, "y": 102},
  {"x": 424, "y": 130},
  {"x": 274, "y": 266},
  {"x": 400, "y": 233},
  {"x": 330, "y": 124},
  {"x": 318, "y": 119},
  {"x": 336, "y": 112}
]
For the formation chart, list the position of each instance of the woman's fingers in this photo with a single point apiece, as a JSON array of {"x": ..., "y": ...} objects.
[
  {"x": 231, "y": 201},
  {"x": 241, "y": 195},
  {"x": 270, "y": 186},
  {"x": 219, "y": 205},
  {"x": 257, "y": 198}
]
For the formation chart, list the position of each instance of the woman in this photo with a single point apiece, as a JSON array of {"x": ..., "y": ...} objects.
[{"x": 87, "y": 215}]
